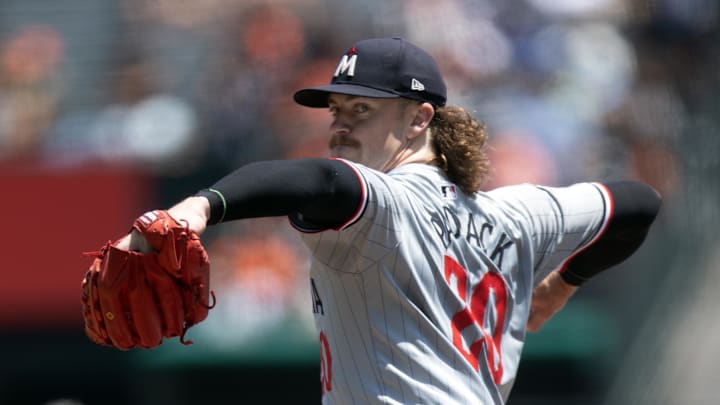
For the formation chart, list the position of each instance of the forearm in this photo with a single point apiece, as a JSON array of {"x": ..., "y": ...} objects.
[
  {"x": 635, "y": 206},
  {"x": 324, "y": 190}
]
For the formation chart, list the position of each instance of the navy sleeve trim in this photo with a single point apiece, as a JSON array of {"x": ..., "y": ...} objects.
[
  {"x": 308, "y": 221},
  {"x": 633, "y": 207},
  {"x": 608, "y": 208},
  {"x": 363, "y": 197}
]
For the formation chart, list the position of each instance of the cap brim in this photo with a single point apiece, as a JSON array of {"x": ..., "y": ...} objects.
[{"x": 317, "y": 97}]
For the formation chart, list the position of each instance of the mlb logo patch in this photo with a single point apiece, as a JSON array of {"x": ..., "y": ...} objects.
[{"x": 449, "y": 192}]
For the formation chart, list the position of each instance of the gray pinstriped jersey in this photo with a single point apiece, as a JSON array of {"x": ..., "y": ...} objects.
[{"x": 424, "y": 295}]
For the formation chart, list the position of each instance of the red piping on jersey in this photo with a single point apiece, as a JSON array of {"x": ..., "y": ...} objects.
[
  {"x": 609, "y": 212},
  {"x": 363, "y": 201}
]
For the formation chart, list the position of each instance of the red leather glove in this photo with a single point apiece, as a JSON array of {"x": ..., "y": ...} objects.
[{"x": 132, "y": 299}]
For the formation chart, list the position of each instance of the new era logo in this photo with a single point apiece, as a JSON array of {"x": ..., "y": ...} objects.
[{"x": 416, "y": 85}]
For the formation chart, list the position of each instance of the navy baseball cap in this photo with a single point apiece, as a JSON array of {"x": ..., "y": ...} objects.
[{"x": 382, "y": 68}]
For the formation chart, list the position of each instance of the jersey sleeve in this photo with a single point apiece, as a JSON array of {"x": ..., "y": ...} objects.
[
  {"x": 369, "y": 235},
  {"x": 308, "y": 220},
  {"x": 561, "y": 221},
  {"x": 316, "y": 194}
]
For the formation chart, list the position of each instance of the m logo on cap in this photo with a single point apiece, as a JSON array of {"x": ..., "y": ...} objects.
[{"x": 347, "y": 64}]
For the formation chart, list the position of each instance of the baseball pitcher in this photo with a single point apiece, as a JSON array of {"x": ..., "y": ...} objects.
[{"x": 423, "y": 286}]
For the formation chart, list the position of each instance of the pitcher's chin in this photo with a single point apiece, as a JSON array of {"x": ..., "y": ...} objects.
[{"x": 345, "y": 152}]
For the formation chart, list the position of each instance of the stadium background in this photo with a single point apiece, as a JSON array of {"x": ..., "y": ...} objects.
[{"x": 111, "y": 107}]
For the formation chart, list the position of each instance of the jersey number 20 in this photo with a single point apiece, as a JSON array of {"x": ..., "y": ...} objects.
[{"x": 474, "y": 313}]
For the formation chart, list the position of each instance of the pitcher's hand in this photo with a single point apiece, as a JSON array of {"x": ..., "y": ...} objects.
[{"x": 548, "y": 298}]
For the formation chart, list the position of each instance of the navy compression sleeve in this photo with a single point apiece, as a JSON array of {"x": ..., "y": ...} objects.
[
  {"x": 635, "y": 206},
  {"x": 326, "y": 192}
]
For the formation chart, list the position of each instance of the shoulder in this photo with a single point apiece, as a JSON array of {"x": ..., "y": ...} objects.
[
  {"x": 408, "y": 189},
  {"x": 527, "y": 194},
  {"x": 406, "y": 177}
]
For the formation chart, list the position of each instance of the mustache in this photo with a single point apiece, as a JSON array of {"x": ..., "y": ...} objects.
[{"x": 342, "y": 140}]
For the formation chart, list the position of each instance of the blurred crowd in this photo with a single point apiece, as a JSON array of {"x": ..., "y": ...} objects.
[
  {"x": 186, "y": 91},
  {"x": 570, "y": 89}
]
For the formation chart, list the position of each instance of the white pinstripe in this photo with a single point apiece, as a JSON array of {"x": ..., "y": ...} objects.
[{"x": 387, "y": 309}]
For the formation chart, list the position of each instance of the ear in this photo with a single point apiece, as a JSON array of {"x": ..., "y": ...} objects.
[{"x": 421, "y": 120}]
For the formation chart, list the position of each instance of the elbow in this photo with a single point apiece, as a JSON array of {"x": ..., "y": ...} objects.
[
  {"x": 636, "y": 204},
  {"x": 649, "y": 202}
]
